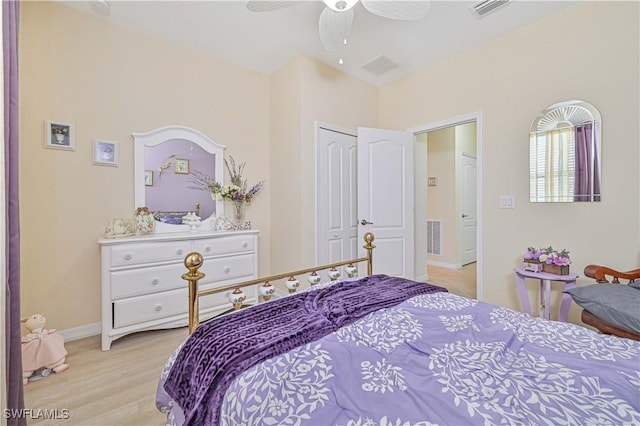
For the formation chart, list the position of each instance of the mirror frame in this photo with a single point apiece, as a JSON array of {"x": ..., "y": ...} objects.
[
  {"x": 555, "y": 114},
  {"x": 164, "y": 134}
]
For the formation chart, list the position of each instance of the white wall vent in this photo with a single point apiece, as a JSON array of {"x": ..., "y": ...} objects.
[
  {"x": 483, "y": 7},
  {"x": 434, "y": 243},
  {"x": 380, "y": 65}
]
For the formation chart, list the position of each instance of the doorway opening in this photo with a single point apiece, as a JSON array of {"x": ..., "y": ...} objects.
[{"x": 448, "y": 184}]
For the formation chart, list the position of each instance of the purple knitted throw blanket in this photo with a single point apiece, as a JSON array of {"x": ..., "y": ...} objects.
[{"x": 221, "y": 349}]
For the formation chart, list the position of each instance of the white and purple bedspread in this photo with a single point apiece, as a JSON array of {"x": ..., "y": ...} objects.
[{"x": 436, "y": 359}]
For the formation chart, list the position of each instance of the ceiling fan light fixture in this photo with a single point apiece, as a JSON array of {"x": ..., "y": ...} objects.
[
  {"x": 100, "y": 7},
  {"x": 340, "y": 5}
]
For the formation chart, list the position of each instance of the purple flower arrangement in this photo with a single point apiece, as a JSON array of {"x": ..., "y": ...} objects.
[{"x": 548, "y": 255}]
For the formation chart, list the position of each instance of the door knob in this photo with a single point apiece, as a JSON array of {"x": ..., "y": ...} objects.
[
  {"x": 465, "y": 215},
  {"x": 365, "y": 222}
]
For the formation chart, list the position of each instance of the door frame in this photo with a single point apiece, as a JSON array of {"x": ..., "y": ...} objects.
[{"x": 461, "y": 119}]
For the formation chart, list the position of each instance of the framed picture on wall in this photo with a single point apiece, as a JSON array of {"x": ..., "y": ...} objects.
[
  {"x": 148, "y": 177},
  {"x": 105, "y": 153},
  {"x": 181, "y": 166},
  {"x": 59, "y": 135}
]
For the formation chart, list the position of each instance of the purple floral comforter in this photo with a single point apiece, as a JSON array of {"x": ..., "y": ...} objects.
[{"x": 438, "y": 359}]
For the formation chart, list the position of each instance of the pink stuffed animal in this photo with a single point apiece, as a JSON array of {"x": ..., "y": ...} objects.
[{"x": 41, "y": 348}]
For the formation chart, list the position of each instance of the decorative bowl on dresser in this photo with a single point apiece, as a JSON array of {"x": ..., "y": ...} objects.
[{"x": 142, "y": 288}]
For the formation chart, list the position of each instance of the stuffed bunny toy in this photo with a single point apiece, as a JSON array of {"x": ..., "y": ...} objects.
[{"x": 41, "y": 348}]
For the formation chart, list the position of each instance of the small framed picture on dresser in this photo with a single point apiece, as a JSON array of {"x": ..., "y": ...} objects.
[
  {"x": 59, "y": 135},
  {"x": 181, "y": 166},
  {"x": 148, "y": 177},
  {"x": 105, "y": 153}
]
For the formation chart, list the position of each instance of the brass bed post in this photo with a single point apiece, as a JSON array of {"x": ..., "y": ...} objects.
[
  {"x": 193, "y": 262},
  {"x": 368, "y": 246}
]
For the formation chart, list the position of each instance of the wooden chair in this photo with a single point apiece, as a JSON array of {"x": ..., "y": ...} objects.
[{"x": 601, "y": 275}]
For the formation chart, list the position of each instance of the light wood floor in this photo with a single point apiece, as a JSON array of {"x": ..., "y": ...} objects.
[
  {"x": 458, "y": 281},
  {"x": 117, "y": 387}
]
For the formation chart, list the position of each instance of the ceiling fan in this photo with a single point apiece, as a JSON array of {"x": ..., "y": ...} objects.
[{"x": 337, "y": 17}]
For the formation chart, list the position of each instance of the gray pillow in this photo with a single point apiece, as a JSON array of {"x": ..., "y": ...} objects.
[{"x": 617, "y": 304}]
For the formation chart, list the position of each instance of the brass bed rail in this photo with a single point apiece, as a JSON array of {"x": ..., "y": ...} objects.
[{"x": 193, "y": 261}]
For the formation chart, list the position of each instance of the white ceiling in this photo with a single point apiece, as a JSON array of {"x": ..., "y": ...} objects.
[{"x": 265, "y": 41}]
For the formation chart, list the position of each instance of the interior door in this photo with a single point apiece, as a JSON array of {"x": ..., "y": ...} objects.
[
  {"x": 385, "y": 198},
  {"x": 337, "y": 228},
  {"x": 469, "y": 209}
]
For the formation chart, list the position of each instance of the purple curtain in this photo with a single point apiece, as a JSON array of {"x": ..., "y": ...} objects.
[
  {"x": 15, "y": 397},
  {"x": 587, "y": 158}
]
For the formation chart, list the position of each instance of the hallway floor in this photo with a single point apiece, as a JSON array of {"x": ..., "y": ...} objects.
[{"x": 458, "y": 281}]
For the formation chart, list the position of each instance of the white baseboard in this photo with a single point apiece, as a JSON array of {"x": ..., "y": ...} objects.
[
  {"x": 81, "y": 332},
  {"x": 444, "y": 264}
]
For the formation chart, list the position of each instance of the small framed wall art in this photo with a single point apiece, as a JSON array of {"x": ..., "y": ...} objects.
[
  {"x": 148, "y": 177},
  {"x": 59, "y": 135},
  {"x": 105, "y": 153},
  {"x": 181, "y": 166}
]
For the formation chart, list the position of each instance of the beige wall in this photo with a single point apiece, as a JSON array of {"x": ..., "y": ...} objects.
[
  {"x": 322, "y": 94},
  {"x": 589, "y": 51},
  {"x": 286, "y": 167},
  {"x": 441, "y": 199},
  {"x": 111, "y": 81}
]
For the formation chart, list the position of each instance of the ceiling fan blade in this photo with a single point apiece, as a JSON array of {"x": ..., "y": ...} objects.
[
  {"x": 404, "y": 10},
  {"x": 269, "y": 5},
  {"x": 334, "y": 28}
]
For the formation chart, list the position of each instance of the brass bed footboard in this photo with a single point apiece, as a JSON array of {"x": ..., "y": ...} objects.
[{"x": 193, "y": 262}]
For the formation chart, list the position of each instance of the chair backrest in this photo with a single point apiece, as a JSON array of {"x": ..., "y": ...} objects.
[{"x": 600, "y": 273}]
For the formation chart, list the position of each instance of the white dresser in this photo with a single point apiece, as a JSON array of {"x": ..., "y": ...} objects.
[{"x": 142, "y": 288}]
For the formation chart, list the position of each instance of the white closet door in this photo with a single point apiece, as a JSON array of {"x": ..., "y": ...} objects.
[{"x": 336, "y": 196}]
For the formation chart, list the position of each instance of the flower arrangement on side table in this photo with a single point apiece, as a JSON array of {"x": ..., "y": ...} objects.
[
  {"x": 547, "y": 260},
  {"x": 238, "y": 192}
]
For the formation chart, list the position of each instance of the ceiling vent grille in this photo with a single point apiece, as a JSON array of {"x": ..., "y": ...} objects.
[
  {"x": 380, "y": 65},
  {"x": 481, "y": 8}
]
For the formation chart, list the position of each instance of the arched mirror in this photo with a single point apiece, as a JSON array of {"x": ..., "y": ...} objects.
[
  {"x": 164, "y": 160},
  {"x": 565, "y": 154}
]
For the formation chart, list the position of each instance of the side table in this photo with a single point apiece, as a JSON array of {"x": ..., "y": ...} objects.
[{"x": 545, "y": 279}]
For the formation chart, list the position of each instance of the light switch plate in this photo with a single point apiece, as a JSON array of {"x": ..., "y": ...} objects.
[{"x": 507, "y": 202}]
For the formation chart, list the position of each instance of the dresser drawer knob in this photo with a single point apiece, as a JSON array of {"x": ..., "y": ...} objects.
[
  {"x": 128, "y": 256},
  {"x": 155, "y": 281},
  {"x": 227, "y": 269},
  {"x": 245, "y": 244},
  {"x": 158, "y": 308},
  {"x": 207, "y": 249},
  {"x": 179, "y": 252}
]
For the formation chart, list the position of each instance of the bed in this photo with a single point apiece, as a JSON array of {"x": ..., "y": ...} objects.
[{"x": 381, "y": 350}]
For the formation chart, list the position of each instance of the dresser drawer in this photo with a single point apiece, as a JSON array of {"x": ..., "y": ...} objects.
[
  {"x": 230, "y": 267},
  {"x": 143, "y": 253},
  {"x": 225, "y": 245},
  {"x": 135, "y": 282},
  {"x": 162, "y": 305},
  {"x": 149, "y": 307}
]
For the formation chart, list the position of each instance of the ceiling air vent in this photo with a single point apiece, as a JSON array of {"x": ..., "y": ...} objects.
[
  {"x": 487, "y": 6},
  {"x": 380, "y": 65}
]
